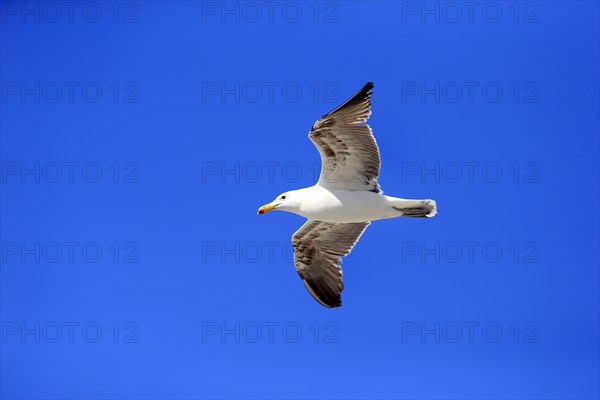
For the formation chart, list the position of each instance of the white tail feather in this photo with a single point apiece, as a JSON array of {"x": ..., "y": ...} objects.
[{"x": 415, "y": 208}]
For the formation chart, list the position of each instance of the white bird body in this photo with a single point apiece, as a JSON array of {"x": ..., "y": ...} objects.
[{"x": 344, "y": 206}]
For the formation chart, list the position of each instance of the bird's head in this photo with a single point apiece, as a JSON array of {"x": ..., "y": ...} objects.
[{"x": 285, "y": 202}]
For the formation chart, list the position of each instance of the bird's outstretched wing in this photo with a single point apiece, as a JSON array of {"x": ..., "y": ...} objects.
[
  {"x": 349, "y": 154},
  {"x": 318, "y": 251}
]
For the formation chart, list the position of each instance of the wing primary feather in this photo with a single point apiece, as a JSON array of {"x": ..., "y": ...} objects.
[
  {"x": 318, "y": 250},
  {"x": 349, "y": 154},
  {"x": 362, "y": 95}
]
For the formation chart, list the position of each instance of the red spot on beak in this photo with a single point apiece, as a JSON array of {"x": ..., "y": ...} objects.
[{"x": 261, "y": 211}]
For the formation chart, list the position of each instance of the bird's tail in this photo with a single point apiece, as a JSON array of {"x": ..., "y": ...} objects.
[{"x": 414, "y": 208}]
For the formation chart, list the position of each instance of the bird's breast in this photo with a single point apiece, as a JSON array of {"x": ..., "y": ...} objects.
[{"x": 345, "y": 206}]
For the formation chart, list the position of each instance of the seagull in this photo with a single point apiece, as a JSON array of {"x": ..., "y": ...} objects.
[{"x": 344, "y": 201}]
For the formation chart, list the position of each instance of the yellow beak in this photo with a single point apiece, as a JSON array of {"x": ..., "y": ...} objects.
[{"x": 267, "y": 208}]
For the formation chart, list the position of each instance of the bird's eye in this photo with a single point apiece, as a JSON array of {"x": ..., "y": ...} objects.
[{"x": 282, "y": 197}]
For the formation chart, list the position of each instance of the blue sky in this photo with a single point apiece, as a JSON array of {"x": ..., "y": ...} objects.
[{"x": 138, "y": 140}]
